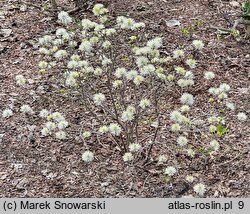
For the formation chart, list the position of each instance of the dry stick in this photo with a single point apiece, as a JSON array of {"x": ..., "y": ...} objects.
[
  {"x": 157, "y": 128},
  {"x": 113, "y": 101}
]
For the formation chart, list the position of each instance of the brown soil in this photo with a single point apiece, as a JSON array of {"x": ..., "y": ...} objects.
[{"x": 31, "y": 166}]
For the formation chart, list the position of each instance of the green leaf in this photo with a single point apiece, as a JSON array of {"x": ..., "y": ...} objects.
[{"x": 221, "y": 130}]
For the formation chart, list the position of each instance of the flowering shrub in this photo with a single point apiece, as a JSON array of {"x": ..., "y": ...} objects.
[{"x": 122, "y": 81}]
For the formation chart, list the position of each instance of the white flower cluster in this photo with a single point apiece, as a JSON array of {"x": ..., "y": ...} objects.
[
  {"x": 7, "y": 113},
  {"x": 88, "y": 156},
  {"x": 54, "y": 120},
  {"x": 115, "y": 129},
  {"x": 170, "y": 171},
  {"x": 209, "y": 75},
  {"x": 242, "y": 116},
  {"x": 221, "y": 91},
  {"x": 135, "y": 147},
  {"x": 128, "y": 157},
  {"x": 129, "y": 23},
  {"x": 64, "y": 18},
  {"x": 26, "y": 109},
  {"x": 99, "y": 99},
  {"x": 20, "y": 80},
  {"x": 200, "y": 189},
  {"x": 198, "y": 44}
]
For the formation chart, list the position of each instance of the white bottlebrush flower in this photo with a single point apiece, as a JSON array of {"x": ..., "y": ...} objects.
[
  {"x": 138, "y": 80},
  {"x": 44, "y": 51},
  {"x": 50, "y": 125},
  {"x": 60, "y": 54},
  {"x": 144, "y": 103},
  {"x": 72, "y": 64},
  {"x": 86, "y": 134},
  {"x": 57, "y": 116},
  {"x": 106, "y": 44},
  {"x": 86, "y": 46},
  {"x": 138, "y": 25},
  {"x": 214, "y": 145},
  {"x": 60, "y": 32},
  {"x": 94, "y": 40},
  {"x": 99, "y": 9},
  {"x": 142, "y": 51},
  {"x": 115, "y": 129},
  {"x": 103, "y": 129},
  {"x": 88, "y": 156},
  {"x": 178, "y": 53},
  {"x": 99, "y": 99},
  {"x": 98, "y": 71},
  {"x": 184, "y": 120},
  {"x": 198, "y": 44},
  {"x": 191, "y": 63},
  {"x": 170, "y": 171},
  {"x": 224, "y": 87},
  {"x": 45, "y": 41},
  {"x": 110, "y": 31},
  {"x": 103, "y": 19},
  {"x": 200, "y": 189},
  {"x": 222, "y": 96},
  {"x": 131, "y": 74},
  {"x": 155, "y": 43},
  {"x": 75, "y": 57},
  {"x": 189, "y": 178},
  {"x": 99, "y": 27},
  {"x": 141, "y": 61},
  {"x": 45, "y": 131},
  {"x": 26, "y": 109},
  {"x": 72, "y": 44},
  {"x": 42, "y": 64},
  {"x": 7, "y": 113},
  {"x": 242, "y": 116},
  {"x": 131, "y": 109},
  {"x": 120, "y": 72},
  {"x": 190, "y": 152},
  {"x": 127, "y": 157},
  {"x": 56, "y": 42},
  {"x": 63, "y": 124},
  {"x": 71, "y": 82},
  {"x": 182, "y": 83},
  {"x": 212, "y": 91},
  {"x": 175, "y": 127},
  {"x": 162, "y": 159},
  {"x": 147, "y": 69},
  {"x": 189, "y": 75},
  {"x": 187, "y": 99},
  {"x": 83, "y": 63},
  {"x": 175, "y": 116},
  {"x": 182, "y": 141},
  {"x": 44, "y": 113},
  {"x": 209, "y": 75},
  {"x": 135, "y": 147},
  {"x": 64, "y": 18},
  {"x": 87, "y": 24},
  {"x": 127, "y": 116},
  {"x": 230, "y": 106},
  {"x": 61, "y": 135},
  {"x": 20, "y": 80},
  {"x": 106, "y": 61},
  {"x": 185, "y": 108},
  {"x": 117, "y": 83},
  {"x": 212, "y": 128},
  {"x": 212, "y": 119},
  {"x": 180, "y": 70}
]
